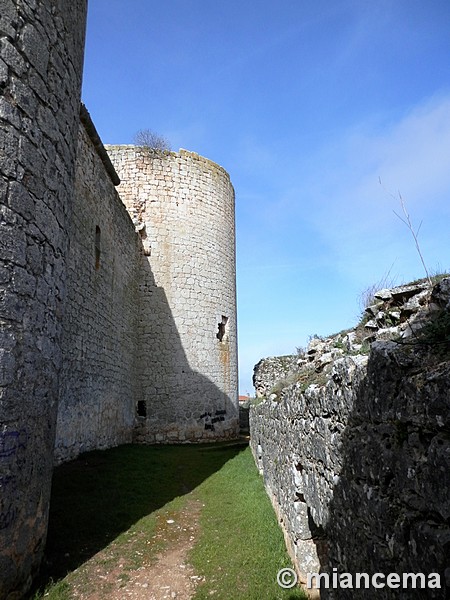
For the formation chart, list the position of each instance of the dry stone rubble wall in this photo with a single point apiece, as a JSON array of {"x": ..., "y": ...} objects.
[{"x": 356, "y": 454}]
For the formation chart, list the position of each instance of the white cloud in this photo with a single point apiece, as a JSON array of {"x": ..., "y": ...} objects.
[
  {"x": 354, "y": 213},
  {"x": 414, "y": 155}
]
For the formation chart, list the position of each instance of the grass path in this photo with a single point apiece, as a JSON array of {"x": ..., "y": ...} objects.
[{"x": 185, "y": 522}]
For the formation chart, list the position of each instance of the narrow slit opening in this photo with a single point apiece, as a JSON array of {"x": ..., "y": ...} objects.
[{"x": 97, "y": 248}]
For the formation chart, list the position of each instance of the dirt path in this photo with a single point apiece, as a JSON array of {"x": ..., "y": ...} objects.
[{"x": 167, "y": 576}]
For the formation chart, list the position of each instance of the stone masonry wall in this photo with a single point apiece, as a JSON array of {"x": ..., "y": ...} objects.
[
  {"x": 269, "y": 371},
  {"x": 99, "y": 383},
  {"x": 356, "y": 453},
  {"x": 41, "y": 55},
  {"x": 183, "y": 206},
  {"x": 83, "y": 319}
]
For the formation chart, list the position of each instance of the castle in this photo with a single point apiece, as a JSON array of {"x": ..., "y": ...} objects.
[{"x": 118, "y": 305}]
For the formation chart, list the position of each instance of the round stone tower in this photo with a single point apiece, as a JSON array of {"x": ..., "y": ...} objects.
[{"x": 183, "y": 207}]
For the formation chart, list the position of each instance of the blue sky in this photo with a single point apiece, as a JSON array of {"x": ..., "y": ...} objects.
[{"x": 307, "y": 104}]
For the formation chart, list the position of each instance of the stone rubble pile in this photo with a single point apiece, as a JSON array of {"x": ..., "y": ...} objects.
[
  {"x": 394, "y": 314},
  {"x": 270, "y": 370}
]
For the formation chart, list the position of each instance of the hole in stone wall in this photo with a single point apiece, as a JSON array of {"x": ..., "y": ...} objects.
[
  {"x": 222, "y": 328},
  {"x": 141, "y": 408},
  {"x": 97, "y": 247},
  {"x": 317, "y": 531}
]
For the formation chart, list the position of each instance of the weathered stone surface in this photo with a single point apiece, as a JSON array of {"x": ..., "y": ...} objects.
[
  {"x": 270, "y": 370},
  {"x": 183, "y": 207},
  {"x": 99, "y": 387},
  {"x": 31, "y": 298},
  {"x": 123, "y": 335},
  {"x": 441, "y": 294},
  {"x": 366, "y": 454},
  {"x": 404, "y": 292}
]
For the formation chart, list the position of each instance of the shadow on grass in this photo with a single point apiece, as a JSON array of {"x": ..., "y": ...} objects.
[{"x": 103, "y": 493}]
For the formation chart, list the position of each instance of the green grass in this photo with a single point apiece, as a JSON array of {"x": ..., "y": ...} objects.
[
  {"x": 103, "y": 494},
  {"x": 241, "y": 548},
  {"x": 106, "y": 505}
]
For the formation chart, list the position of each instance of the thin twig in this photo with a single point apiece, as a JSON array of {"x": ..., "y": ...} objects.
[
  {"x": 409, "y": 224},
  {"x": 406, "y": 219}
]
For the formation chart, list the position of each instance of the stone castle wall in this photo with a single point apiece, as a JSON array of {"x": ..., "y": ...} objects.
[
  {"x": 107, "y": 335},
  {"x": 183, "y": 206},
  {"x": 41, "y": 54},
  {"x": 99, "y": 387},
  {"x": 137, "y": 319}
]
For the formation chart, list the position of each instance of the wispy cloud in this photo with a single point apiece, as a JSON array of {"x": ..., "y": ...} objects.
[
  {"x": 344, "y": 201},
  {"x": 415, "y": 154}
]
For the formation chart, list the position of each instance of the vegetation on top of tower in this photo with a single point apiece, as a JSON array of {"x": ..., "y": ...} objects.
[{"x": 152, "y": 142}]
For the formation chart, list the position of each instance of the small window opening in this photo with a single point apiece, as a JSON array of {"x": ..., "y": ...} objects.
[
  {"x": 97, "y": 247},
  {"x": 222, "y": 328},
  {"x": 141, "y": 408}
]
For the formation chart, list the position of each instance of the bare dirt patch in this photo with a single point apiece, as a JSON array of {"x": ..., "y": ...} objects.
[{"x": 164, "y": 575}]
